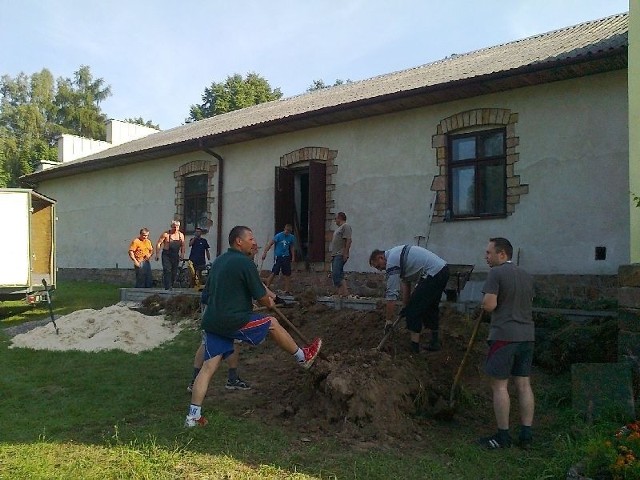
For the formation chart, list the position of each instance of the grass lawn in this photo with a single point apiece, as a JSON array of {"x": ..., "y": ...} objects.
[{"x": 116, "y": 415}]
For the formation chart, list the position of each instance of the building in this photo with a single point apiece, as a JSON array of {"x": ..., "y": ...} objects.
[{"x": 527, "y": 140}]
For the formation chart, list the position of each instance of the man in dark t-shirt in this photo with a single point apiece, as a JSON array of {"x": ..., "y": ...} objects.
[
  {"x": 508, "y": 295},
  {"x": 232, "y": 284}
]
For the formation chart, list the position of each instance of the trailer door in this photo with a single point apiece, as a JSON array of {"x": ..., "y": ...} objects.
[{"x": 14, "y": 247}]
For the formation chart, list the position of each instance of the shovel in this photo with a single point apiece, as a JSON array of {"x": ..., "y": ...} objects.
[
  {"x": 295, "y": 329},
  {"x": 463, "y": 363},
  {"x": 388, "y": 333},
  {"x": 46, "y": 289}
]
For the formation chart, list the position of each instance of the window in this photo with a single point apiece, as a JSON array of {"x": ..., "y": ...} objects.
[
  {"x": 195, "y": 202},
  {"x": 477, "y": 174},
  {"x": 477, "y": 157}
]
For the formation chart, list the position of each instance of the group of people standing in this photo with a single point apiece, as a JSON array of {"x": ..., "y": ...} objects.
[
  {"x": 171, "y": 248},
  {"x": 415, "y": 277}
]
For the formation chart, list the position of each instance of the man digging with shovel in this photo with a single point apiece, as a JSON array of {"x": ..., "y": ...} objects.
[
  {"x": 232, "y": 283},
  {"x": 406, "y": 265}
]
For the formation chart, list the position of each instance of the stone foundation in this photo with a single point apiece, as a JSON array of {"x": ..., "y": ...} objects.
[
  {"x": 556, "y": 290},
  {"x": 629, "y": 315},
  {"x": 116, "y": 276},
  {"x": 573, "y": 289}
]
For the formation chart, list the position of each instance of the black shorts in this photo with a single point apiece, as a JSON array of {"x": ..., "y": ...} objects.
[
  {"x": 282, "y": 264},
  {"x": 506, "y": 359}
]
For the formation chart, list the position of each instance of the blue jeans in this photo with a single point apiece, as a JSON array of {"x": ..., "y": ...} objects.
[
  {"x": 143, "y": 275},
  {"x": 337, "y": 270}
]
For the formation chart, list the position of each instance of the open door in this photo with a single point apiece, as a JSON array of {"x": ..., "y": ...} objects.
[
  {"x": 284, "y": 198},
  {"x": 300, "y": 199},
  {"x": 317, "y": 211}
]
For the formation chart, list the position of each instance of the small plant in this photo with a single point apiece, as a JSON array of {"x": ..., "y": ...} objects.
[{"x": 615, "y": 458}]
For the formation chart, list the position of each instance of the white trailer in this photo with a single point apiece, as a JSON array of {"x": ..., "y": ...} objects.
[{"x": 27, "y": 248}]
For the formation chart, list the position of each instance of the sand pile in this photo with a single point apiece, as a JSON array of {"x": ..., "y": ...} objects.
[{"x": 113, "y": 327}]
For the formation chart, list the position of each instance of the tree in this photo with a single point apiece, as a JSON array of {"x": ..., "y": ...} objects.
[
  {"x": 235, "y": 93},
  {"x": 78, "y": 104},
  {"x": 35, "y": 110},
  {"x": 319, "y": 84},
  {"x": 27, "y": 134},
  {"x": 141, "y": 121}
]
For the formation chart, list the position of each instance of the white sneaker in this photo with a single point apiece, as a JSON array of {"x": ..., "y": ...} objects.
[{"x": 191, "y": 422}]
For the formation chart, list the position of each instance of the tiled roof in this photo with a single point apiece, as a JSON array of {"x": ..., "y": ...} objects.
[{"x": 568, "y": 45}]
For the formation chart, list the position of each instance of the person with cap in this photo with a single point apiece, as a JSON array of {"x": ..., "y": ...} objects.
[{"x": 406, "y": 266}]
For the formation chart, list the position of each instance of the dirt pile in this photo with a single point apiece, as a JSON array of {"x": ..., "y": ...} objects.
[{"x": 357, "y": 394}]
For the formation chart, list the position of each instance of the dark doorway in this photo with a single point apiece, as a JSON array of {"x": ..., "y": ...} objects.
[{"x": 300, "y": 199}]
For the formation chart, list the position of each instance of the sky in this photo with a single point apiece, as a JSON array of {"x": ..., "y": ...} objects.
[{"x": 158, "y": 56}]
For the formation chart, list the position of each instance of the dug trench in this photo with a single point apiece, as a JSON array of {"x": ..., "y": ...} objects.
[{"x": 359, "y": 395}]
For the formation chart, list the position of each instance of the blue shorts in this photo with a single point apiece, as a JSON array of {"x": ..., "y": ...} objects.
[
  {"x": 282, "y": 264},
  {"x": 254, "y": 332},
  {"x": 507, "y": 359},
  {"x": 337, "y": 272}
]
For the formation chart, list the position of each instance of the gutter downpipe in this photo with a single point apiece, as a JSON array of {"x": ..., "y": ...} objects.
[{"x": 220, "y": 190}]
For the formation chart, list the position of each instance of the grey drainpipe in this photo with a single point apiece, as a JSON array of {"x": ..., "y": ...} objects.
[{"x": 219, "y": 209}]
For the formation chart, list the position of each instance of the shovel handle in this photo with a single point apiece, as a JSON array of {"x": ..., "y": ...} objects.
[
  {"x": 389, "y": 333},
  {"x": 463, "y": 363},
  {"x": 295, "y": 329},
  {"x": 46, "y": 289}
]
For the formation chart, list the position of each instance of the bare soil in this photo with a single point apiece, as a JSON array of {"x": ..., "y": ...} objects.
[{"x": 359, "y": 395}]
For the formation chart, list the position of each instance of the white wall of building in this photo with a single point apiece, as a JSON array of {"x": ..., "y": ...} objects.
[
  {"x": 101, "y": 212},
  {"x": 121, "y": 132},
  {"x": 573, "y": 154},
  {"x": 72, "y": 147}
]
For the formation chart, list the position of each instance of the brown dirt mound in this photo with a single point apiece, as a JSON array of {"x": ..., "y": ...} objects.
[
  {"x": 358, "y": 394},
  {"x": 178, "y": 306}
]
